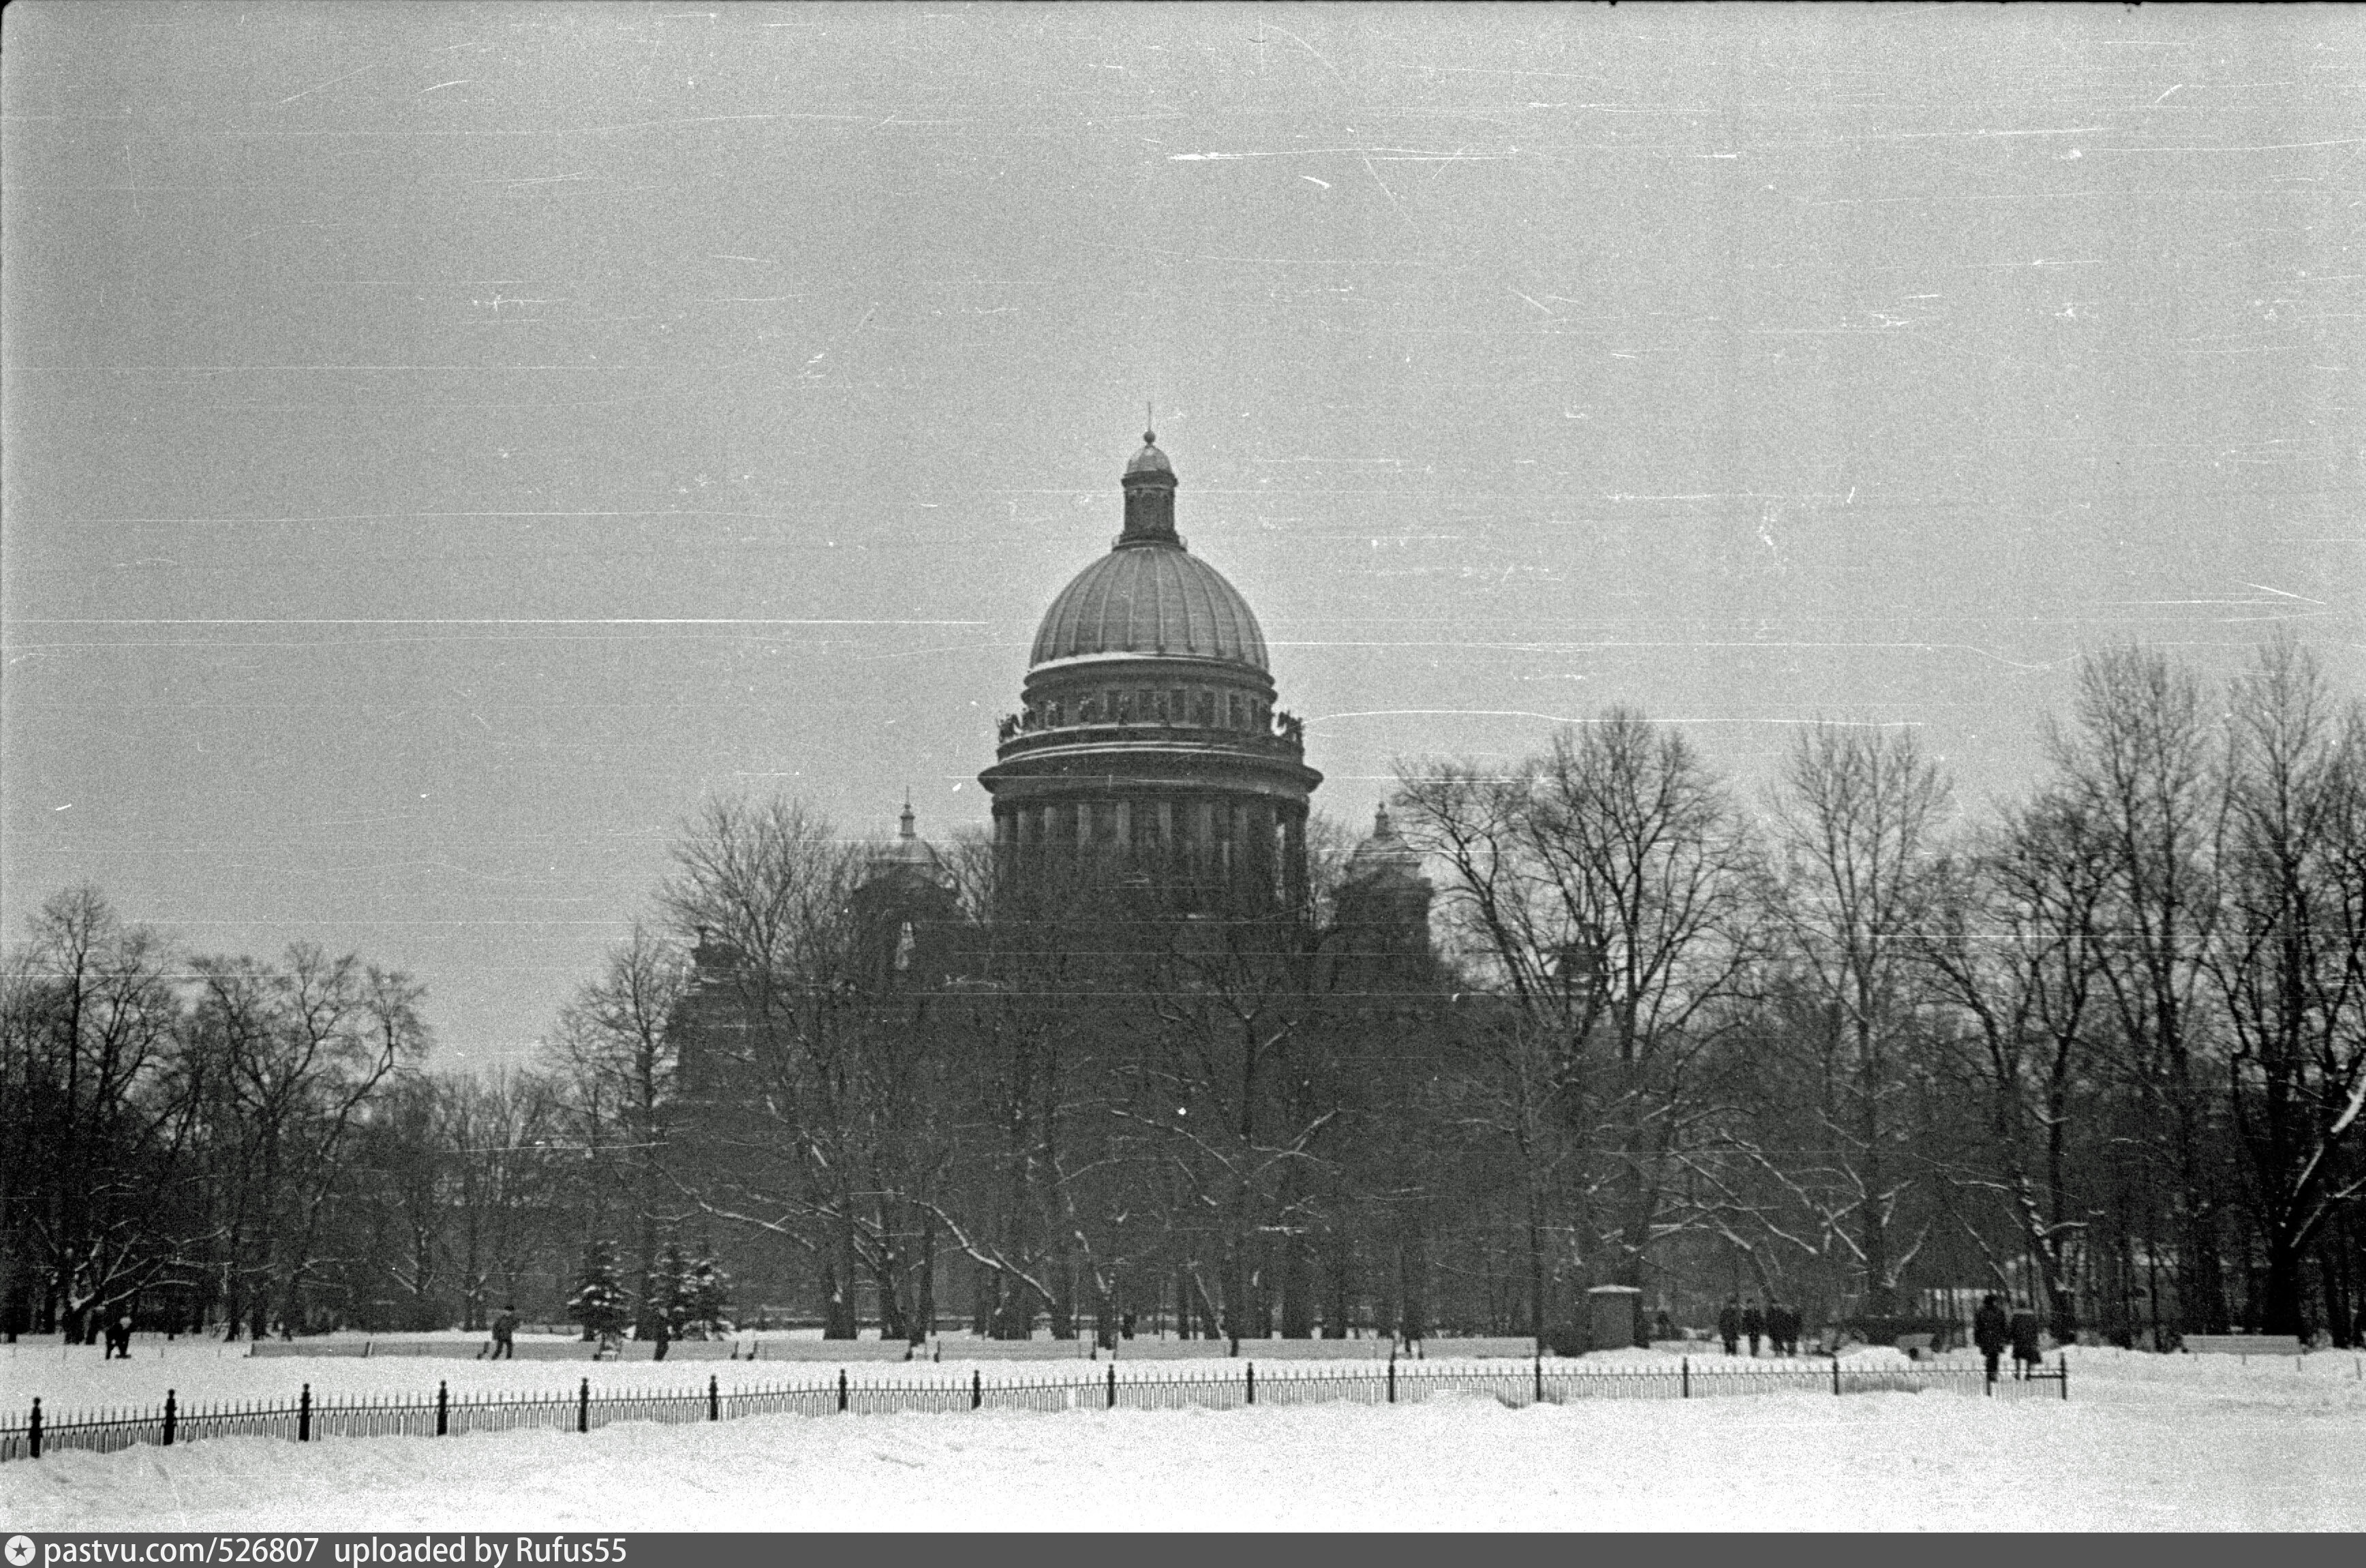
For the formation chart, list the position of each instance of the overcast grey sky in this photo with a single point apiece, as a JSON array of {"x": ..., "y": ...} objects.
[{"x": 443, "y": 441}]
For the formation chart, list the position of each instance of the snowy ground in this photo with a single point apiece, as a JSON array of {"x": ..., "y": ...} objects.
[{"x": 2145, "y": 1442}]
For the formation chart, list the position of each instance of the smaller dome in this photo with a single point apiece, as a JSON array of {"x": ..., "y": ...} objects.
[
  {"x": 1150, "y": 459},
  {"x": 909, "y": 854},
  {"x": 1384, "y": 854}
]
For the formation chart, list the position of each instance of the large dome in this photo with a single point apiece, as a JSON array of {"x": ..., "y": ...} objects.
[{"x": 1150, "y": 598}]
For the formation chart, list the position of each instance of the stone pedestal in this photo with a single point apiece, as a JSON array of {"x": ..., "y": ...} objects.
[{"x": 1613, "y": 1317}]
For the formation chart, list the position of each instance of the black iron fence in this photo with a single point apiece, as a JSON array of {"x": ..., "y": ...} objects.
[{"x": 1215, "y": 1385}]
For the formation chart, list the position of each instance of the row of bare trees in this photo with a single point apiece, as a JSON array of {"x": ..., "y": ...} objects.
[
  {"x": 182, "y": 1122},
  {"x": 2106, "y": 1043},
  {"x": 255, "y": 1147}
]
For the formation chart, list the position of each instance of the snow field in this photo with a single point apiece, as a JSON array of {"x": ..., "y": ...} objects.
[
  {"x": 1780, "y": 1461},
  {"x": 2145, "y": 1442}
]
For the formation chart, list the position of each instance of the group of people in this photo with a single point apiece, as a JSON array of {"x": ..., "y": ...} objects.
[
  {"x": 610, "y": 1345},
  {"x": 1778, "y": 1325},
  {"x": 1993, "y": 1330}
]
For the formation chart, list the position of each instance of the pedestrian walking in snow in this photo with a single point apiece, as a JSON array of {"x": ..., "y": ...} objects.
[
  {"x": 505, "y": 1335},
  {"x": 119, "y": 1340},
  {"x": 1779, "y": 1328},
  {"x": 2025, "y": 1355},
  {"x": 1728, "y": 1324},
  {"x": 1991, "y": 1331},
  {"x": 1754, "y": 1326},
  {"x": 664, "y": 1337}
]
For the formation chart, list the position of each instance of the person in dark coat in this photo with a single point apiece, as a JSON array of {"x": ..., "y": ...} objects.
[
  {"x": 505, "y": 1335},
  {"x": 1991, "y": 1331},
  {"x": 664, "y": 1337},
  {"x": 1779, "y": 1329},
  {"x": 1754, "y": 1326},
  {"x": 1729, "y": 1324},
  {"x": 2025, "y": 1355}
]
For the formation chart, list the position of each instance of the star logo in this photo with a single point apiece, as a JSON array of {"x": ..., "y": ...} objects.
[{"x": 20, "y": 1551}]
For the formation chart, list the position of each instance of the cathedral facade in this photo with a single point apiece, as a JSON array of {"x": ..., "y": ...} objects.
[{"x": 1149, "y": 853}]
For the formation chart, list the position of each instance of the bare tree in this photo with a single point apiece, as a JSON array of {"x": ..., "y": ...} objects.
[
  {"x": 498, "y": 1128},
  {"x": 284, "y": 1058},
  {"x": 1241, "y": 1095},
  {"x": 615, "y": 1044},
  {"x": 2137, "y": 758},
  {"x": 1857, "y": 818},
  {"x": 2289, "y": 966},
  {"x": 89, "y": 1015},
  {"x": 2018, "y": 947},
  {"x": 771, "y": 883},
  {"x": 1604, "y": 889}
]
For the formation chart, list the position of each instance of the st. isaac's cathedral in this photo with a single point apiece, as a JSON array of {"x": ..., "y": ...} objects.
[
  {"x": 1147, "y": 723},
  {"x": 1148, "y": 752},
  {"x": 1149, "y": 794}
]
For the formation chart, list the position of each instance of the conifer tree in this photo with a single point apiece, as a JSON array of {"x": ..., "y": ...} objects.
[
  {"x": 705, "y": 1294},
  {"x": 599, "y": 1302},
  {"x": 668, "y": 1284}
]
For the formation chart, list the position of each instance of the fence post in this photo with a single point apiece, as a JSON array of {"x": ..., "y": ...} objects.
[
  {"x": 33, "y": 1429},
  {"x": 583, "y": 1405},
  {"x": 1251, "y": 1367},
  {"x": 2066, "y": 1377},
  {"x": 1393, "y": 1374},
  {"x": 304, "y": 1415},
  {"x": 1540, "y": 1377},
  {"x": 1685, "y": 1369},
  {"x": 172, "y": 1416},
  {"x": 977, "y": 1388},
  {"x": 714, "y": 1399},
  {"x": 1836, "y": 1372},
  {"x": 841, "y": 1391},
  {"x": 442, "y": 1408},
  {"x": 1113, "y": 1385}
]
